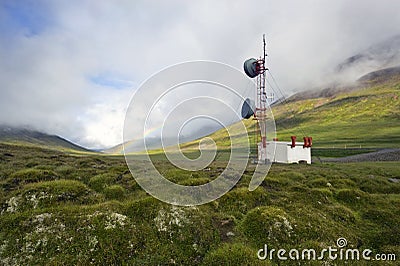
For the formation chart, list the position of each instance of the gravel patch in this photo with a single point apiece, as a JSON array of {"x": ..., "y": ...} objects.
[{"x": 377, "y": 156}]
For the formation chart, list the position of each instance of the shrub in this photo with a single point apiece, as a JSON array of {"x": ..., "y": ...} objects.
[
  {"x": 267, "y": 225},
  {"x": 177, "y": 175},
  {"x": 379, "y": 185},
  {"x": 116, "y": 192},
  {"x": 194, "y": 181},
  {"x": 381, "y": 217},
  {"x": 276, "y": 183},
  {"x": 171, "y": 234},
  {"x": 65, "y": 170},
  {"x": 99, "y": 182},
  {"x": 299, "y": 188},
  {"x": 383, "y": 237},
  {"x": 343, "y": 183},
  {"x": 232, "y": 254},
  {"x": 341, "y": 214},
  {"x": 292, "y": 175},
  {"x": 33, "y": 175},
  {"x": 48, "y": 193},
  {"x": 76, "y": 237},
  {"x": 321, "y": 195},
  {"x": 351, "y": 196},
  {"x": 144, "y": 209},
  {"x": 318, "y": 182},
  {"x": 59, "y": 187},
  {"x": 241, "y": 200}
]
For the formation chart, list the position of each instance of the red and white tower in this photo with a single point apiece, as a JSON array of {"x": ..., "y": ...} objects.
[
  {"x": 256, "y": 68},
  {"x": 270, "y": 150}
]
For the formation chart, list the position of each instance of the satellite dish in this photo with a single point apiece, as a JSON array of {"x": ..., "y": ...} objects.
[
  {"x": 248, "y": 108},
  {"x": 250, "y": 67}
]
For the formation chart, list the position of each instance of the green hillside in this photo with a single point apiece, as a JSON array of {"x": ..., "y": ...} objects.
[
  {"x": 366, "y": 116},
  {"x": 29, "y": 137}
]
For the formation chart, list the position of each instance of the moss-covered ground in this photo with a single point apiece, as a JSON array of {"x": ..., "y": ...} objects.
[{"x": 62, "y": 208}]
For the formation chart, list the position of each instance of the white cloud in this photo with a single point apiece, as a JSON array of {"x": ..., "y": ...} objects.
[
  {"x": 103, "y": 121},
  {"x": 48, "y": 59}
]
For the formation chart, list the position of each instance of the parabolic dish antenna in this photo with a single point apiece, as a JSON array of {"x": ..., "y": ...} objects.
[
  {"x": 250, "y": 67},
  {"x": 248, "y": 108}
]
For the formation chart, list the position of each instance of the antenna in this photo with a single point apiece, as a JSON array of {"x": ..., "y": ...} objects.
[
  {"x": 265, "y": 44},
  {"x": 256, "y": 68}
]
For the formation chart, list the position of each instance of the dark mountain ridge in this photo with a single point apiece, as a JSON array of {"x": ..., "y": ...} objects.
[{"x": 34, "y": 137}]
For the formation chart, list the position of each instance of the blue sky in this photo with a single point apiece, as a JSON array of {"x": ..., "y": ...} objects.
[
  {"x": 31, "y": 17},
  {"x": 111, "y": 80},
  {"x": 71, "y": 67}
]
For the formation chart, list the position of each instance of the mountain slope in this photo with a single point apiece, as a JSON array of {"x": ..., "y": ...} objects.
[
  {"x": 380, "y": 55},
  {"x": 365, "y": 115},
  {"x": 36, "y": 138},
  {"x": 382, "y": 75}
]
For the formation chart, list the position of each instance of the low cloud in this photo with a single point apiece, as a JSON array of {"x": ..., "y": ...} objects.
[{"x": 69, "y": 68}]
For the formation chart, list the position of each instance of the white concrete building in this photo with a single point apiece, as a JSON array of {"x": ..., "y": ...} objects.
[{"x": 286, "y": 152}]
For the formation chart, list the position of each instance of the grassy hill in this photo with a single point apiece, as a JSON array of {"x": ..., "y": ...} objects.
[
  {"x": 365, "y": 115},
  {"x": 28, "y": 137}
]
